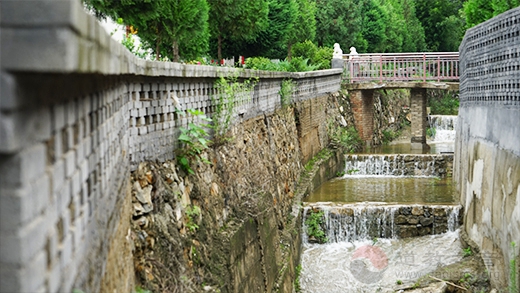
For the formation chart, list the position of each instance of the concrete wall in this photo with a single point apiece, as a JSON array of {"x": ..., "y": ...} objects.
[
  {"x": 487, "y": 152},
  {"x": 78, "y": 112}
]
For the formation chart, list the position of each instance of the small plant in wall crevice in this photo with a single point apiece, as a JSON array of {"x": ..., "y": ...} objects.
[
  {"x": 313, "y": 224},
  {"x": 194, "y": 140}
]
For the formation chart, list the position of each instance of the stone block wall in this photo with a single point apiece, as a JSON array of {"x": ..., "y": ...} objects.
[
  {"x": 487, "y": 150},
  {"x": 78, "y": 112}
]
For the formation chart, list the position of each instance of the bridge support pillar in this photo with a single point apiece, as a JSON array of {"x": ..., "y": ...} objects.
[
  {"x": 418, "y": 109},
  {"x": 362, "y": 102}
]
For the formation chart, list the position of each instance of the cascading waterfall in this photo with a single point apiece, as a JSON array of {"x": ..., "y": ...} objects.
[
  {"x": 359, "y": 223},
  {"x": 454, "y": 219},
  {"x": 372, "y": 165},
  {"x": 444, "y": 126},
  {"x": 366, "y": 221},
  {"x": 393, "y": 165},
  {"x": 390, "y": 217}
]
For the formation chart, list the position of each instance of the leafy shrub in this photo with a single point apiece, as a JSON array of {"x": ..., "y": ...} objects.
[
  {"x": 314, "y": 230},
  {"x": 230, "y": 93},
  {"x": 286, "y": 92},
  {"x": 261, "y": 63},
  {"x": 320, "y": 57},
  {"x": 430, "y": 132},
  {"x": 345, "y": 138},
  {"x": 298, "y": 64},
  {"x": 193, "y": 140},
  {"x": 389, "y": 135},
  {"x": 443, "y": 103},
  {"x": 192, "y": 212},
  {"x": 306, "y": 50},
  {"x": 306, "y": 56},
  {"x": 323, "y": 57}
]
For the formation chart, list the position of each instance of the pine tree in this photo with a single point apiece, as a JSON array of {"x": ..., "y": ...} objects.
[
  {"x": 304, "y": 26},
  {"x": 236, "y": 21},
  {"x": 338, "y": 21}
]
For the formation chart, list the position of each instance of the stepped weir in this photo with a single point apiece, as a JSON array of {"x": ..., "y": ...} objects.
[
  {"x": 389, "y": 218},
  {"x": 353, "y": 222}
]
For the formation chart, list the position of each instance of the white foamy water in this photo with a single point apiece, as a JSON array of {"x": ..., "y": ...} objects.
[
  {"x": 445, "y": 126},
  {"x": 331, "y": 268}
]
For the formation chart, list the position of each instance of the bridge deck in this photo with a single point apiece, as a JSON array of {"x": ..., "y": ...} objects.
[{"x": 401, "y": 67}]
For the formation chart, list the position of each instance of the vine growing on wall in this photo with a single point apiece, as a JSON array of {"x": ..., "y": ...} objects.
[
  {"x": 231, "y": 93},
  {"x": 286, "y": 92}
]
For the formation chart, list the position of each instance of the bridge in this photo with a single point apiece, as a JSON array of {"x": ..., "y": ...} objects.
[{"x": 364, "y": 73}]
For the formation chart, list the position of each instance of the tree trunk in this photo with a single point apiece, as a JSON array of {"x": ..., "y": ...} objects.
[
  {"x": 289, "y": 53},
  {"x": 175, "y": 47},
  {"x": 219, "y": 52},
  {"x": 157, "y": 54},
  {"x": 157, "y": 50}
]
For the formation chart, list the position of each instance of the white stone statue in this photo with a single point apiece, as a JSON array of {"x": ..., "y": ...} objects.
[
  {"x": 338, "y": 53},
  {"x": 353, "y": 53}
]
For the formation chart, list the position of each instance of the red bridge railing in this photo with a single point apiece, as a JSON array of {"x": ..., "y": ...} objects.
[{"x": 401, "y": 67}]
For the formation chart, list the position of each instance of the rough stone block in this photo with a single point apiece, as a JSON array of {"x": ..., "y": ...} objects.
[
  {"x": 9, "y": 100},
  {"x": 20, "y": 169},
  {"x": 54, "y": 278},
  {"x": 21, "y": 128},
  {"x": 70, "y": 163},
  {"x": 71, "y": 113},
  {"x": 15, "y": 209},
  {"x": 56, "y": 49},
  {"x": 19, "y": 247}
]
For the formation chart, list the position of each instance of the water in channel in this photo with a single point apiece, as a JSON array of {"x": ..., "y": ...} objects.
[
  {"x": 441, "y": 142},
  {"x": 369, "y": 217},
  {"x": 368, "y": 266}
]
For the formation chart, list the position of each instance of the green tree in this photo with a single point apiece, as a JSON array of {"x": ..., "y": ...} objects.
[
  {"x": 236, "y": 21},
  {"x": 172, "y": 28},
  {"x": 413, "y": 31},
  {"x": 439, "y": 19},
  {"x": 304, "y": 26},
  {"x": 477, "y": 11},
  {"x": 338, "y": 21},
  {"x": 186, "y": 26},
  {"x": 373, "y": 26},
  {"x": 272, "y": 41}
]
